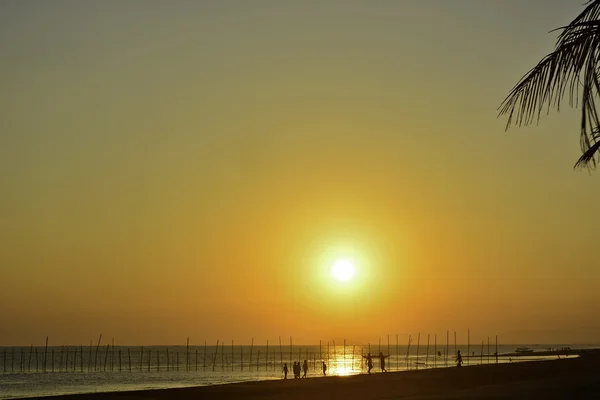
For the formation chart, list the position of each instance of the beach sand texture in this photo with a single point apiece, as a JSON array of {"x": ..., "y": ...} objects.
[{"x": 577, "y": 378}]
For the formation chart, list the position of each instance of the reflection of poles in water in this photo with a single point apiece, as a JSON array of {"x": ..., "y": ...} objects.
[{"x": 427, "y": 353}]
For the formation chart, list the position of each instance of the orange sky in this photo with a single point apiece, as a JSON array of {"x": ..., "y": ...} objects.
[{"x": 195, "y": 169}]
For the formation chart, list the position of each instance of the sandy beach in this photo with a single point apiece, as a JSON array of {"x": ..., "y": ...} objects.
[{"x": 577, "y": 378}]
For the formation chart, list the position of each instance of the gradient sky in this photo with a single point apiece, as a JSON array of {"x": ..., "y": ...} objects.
[{"x": 192, "y": 168}]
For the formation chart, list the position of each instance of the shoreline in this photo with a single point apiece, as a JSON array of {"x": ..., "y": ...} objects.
[{"x": 536, "y": 379}]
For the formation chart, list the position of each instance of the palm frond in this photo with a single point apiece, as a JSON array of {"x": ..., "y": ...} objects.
[{"x": 571, "y": 67}]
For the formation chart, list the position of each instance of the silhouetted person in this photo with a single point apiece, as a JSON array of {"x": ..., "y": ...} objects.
[
  {"x": 305, "y": 368},
  {"x": 382, "y": 362},
  {"x": 459, "y": 359},
  {"x": 296, "y": 370},
  {"x": 324, "y": 368},
  {"x": 285, "y": 371},
  {"x": 369, "y": 362}
]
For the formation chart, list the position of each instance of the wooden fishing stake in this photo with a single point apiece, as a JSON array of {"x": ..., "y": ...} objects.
[
  {"x": 157, "y": 361},
  {"x": 299, "y": 355},
  {"x": 97, "y": 348},
  {"x": 52, "y": 360},
  {"x": 455, "y": 343},
  {"x": 196, "y": 360},
  {"x": 12, "y": 361},
  {"x": 204, "y": 362},
  {"x": 335, "y": 355},
  {"x": 45, "y": 356},
  {"x": 267, "y": 357},
  {"x": 380, "y": 344},
  {"x": 89, "y": 358},
  {"x": 81, "y": 360},
  {"x": 4, "y": 363},
  {"x": 149, "y": 358},
  {"x": 290, "y": 351},
  {"x": 74, "y": 358},
  {"x": 112, "y": 356},
  {"x": 141, "y": 358},
  {"x": 66, "y": 358},
  {"x": 427, "y": 352},
  {"x": 30, "y": 355},
  {"x": 281, "y": 352},
  {"x": 397, "y": 355},
  {"x": 435, "y": 352},
  {"x": 187, "y": 355},
  {"x": 468, "y": 345},
  {"x": 344, "y": 362},
  {"x": 120, "y": 361},
  {"x": 222, "y": 356},
  {"x": 257, "y": 359},
  {"x": 320, "y": 353},
  {"x": 352, "y": 368},
  {"x": 408, "y": 351},
  {"x": 496, "y": 349},
  {"x": 388, "y": 352},
  {"x": 447, "y": 346},
  {"x": 105, "y": 356},
  {"x": 129, "y": 356},
  {"x": 241, "y": 358},
  {"x": 22, "y": 357},
  {"x": 168, "y": 362},
  {"x": 329, "y": 366},
  {"x": 231, "y": 356},
  {"x": 214, "y": 357},
  {"x": 177, "y": 360},
  {"x": 481, "y": 362},
  {"x": 488, "y": 352},
  {"x": 418, "y": 345},
  {"x": 37, "y": 362}
]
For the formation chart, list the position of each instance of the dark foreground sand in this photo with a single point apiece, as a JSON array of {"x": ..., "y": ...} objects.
[{"x": 577, "y": 378}]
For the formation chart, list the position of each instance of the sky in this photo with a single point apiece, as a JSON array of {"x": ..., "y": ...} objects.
[{"x": 174, "y": 169}]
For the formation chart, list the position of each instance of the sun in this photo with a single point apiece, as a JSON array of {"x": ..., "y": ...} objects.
[{"x": 343, "y": 270}]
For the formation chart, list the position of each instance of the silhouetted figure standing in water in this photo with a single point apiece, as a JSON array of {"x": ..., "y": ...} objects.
[
  {"x": 369, "y": 363},
  {"x": 305, "y": 368},
  {"x": 459, "y": 360},
  {"x": 324, "y": 368},
  {"x": 382, "y": 362},
  {"x": 296, "y": 370},
  {"x": 285, "y": 371}
]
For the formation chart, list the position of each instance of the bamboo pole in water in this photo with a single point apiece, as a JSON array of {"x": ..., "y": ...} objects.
[
  {"x": 320, "y": 352},
  {"x": 496, "y": 349},
  {"x": 12, "y": 361},
  {"x": 112, "y": 356},
  {"x": 196, "y": 360},
  {"x": 388, "y": 350},
  {"x": 81, "y": 360},
  {"x": 408, "y": 350},
  {"x": 168, "y": 361},
  {"x": 257, "y": 359},
  {"x": 105, "y": 355},
  {"x": 418, "y": 346},
  {"x": 90, "y": 358},
  {"x": 157, "y": 361},
  {"x": 141, "y": 358},
  {"x": 120, "y": 361},
  {"x": 290, "y": 351},
  {"x": 222, "y": 356},
  {"x": 204, "y": 362},
  {"x": 231, "y": 355},
  {"x": 327, "y": 355},
  {"x": 468, "y": 345},
  {"x": 66, "y": 358},
  {"x": 427, "y": 352},
  {"x": 45, "y": 356},
  {"x": 214, "y": 356},
  {"x": 129, "y": 356},
  {"x": 397, "y": 355},
  {"x": 4, "y": 363},
  {"x": 62, "y": 349},
  {"x": 187, "y": 355},
  {"x": 22, "y": 357},
  {"x": 37, "y": 361},
  {"x": 52, "y": 359},
  {"x": 241, "y": 358},
  {"x": 97, "y": 348},
  {"x": 30, "y": 355},
  {"x": 74, "y": 358},
  {"x": 281, "y": 352},
  {"x": 344, "y": 362},
  {"x": 267, "y": 357},
  {"x": 177, "y": 360},
  {"x": 447, "y": 346},
  {"x": 435, "y": 352},
  {"x": 488, "y": 352},
  {"x": 335, "y": 355},
  {"x": 250, "y": 361},
  {"x": 481, "y": 362},
  {"x": 379, "y": 348},
  {"x": 455, "y": 343}
]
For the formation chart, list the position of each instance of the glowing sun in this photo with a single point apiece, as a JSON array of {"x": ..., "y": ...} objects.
[{"x": 343, "y": 270}]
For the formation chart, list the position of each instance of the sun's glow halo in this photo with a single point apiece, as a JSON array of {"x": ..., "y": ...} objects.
[{"x": 343, "y": 270}]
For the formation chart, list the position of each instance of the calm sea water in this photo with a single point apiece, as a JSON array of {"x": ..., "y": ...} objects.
[{"x": 35, "y": 371}]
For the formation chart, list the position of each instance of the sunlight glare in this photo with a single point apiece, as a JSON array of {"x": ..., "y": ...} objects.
[{"x": 342, "y": 270}]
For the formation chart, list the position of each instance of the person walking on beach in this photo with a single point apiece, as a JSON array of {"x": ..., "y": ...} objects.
[
  {"x": 305, "y": 368},
  {"x": 382, "y": 362},
  {"x": 324, "y": 368},
  {"x": 459, "y": 359},
  {"x": 369, "y": 363},
  {"x": 296, "y": 370},
  {"x": 285, "y": 371}
]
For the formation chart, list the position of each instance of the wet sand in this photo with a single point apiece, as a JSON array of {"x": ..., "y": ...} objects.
[{"x": 577, "y": 378}]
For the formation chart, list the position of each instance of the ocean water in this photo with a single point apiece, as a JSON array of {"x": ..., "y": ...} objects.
[{"x": 36, "y": 371}]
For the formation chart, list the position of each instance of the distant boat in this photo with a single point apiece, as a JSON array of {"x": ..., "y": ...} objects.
[{"x": 524, "y": 350}]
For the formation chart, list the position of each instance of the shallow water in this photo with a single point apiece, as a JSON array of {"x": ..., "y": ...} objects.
[{"x": 103, "y": 369}]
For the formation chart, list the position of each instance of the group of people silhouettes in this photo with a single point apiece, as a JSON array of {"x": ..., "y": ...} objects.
[
  {"x": 297, "y": 369},
  {"x": 381, "y": 357}
]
